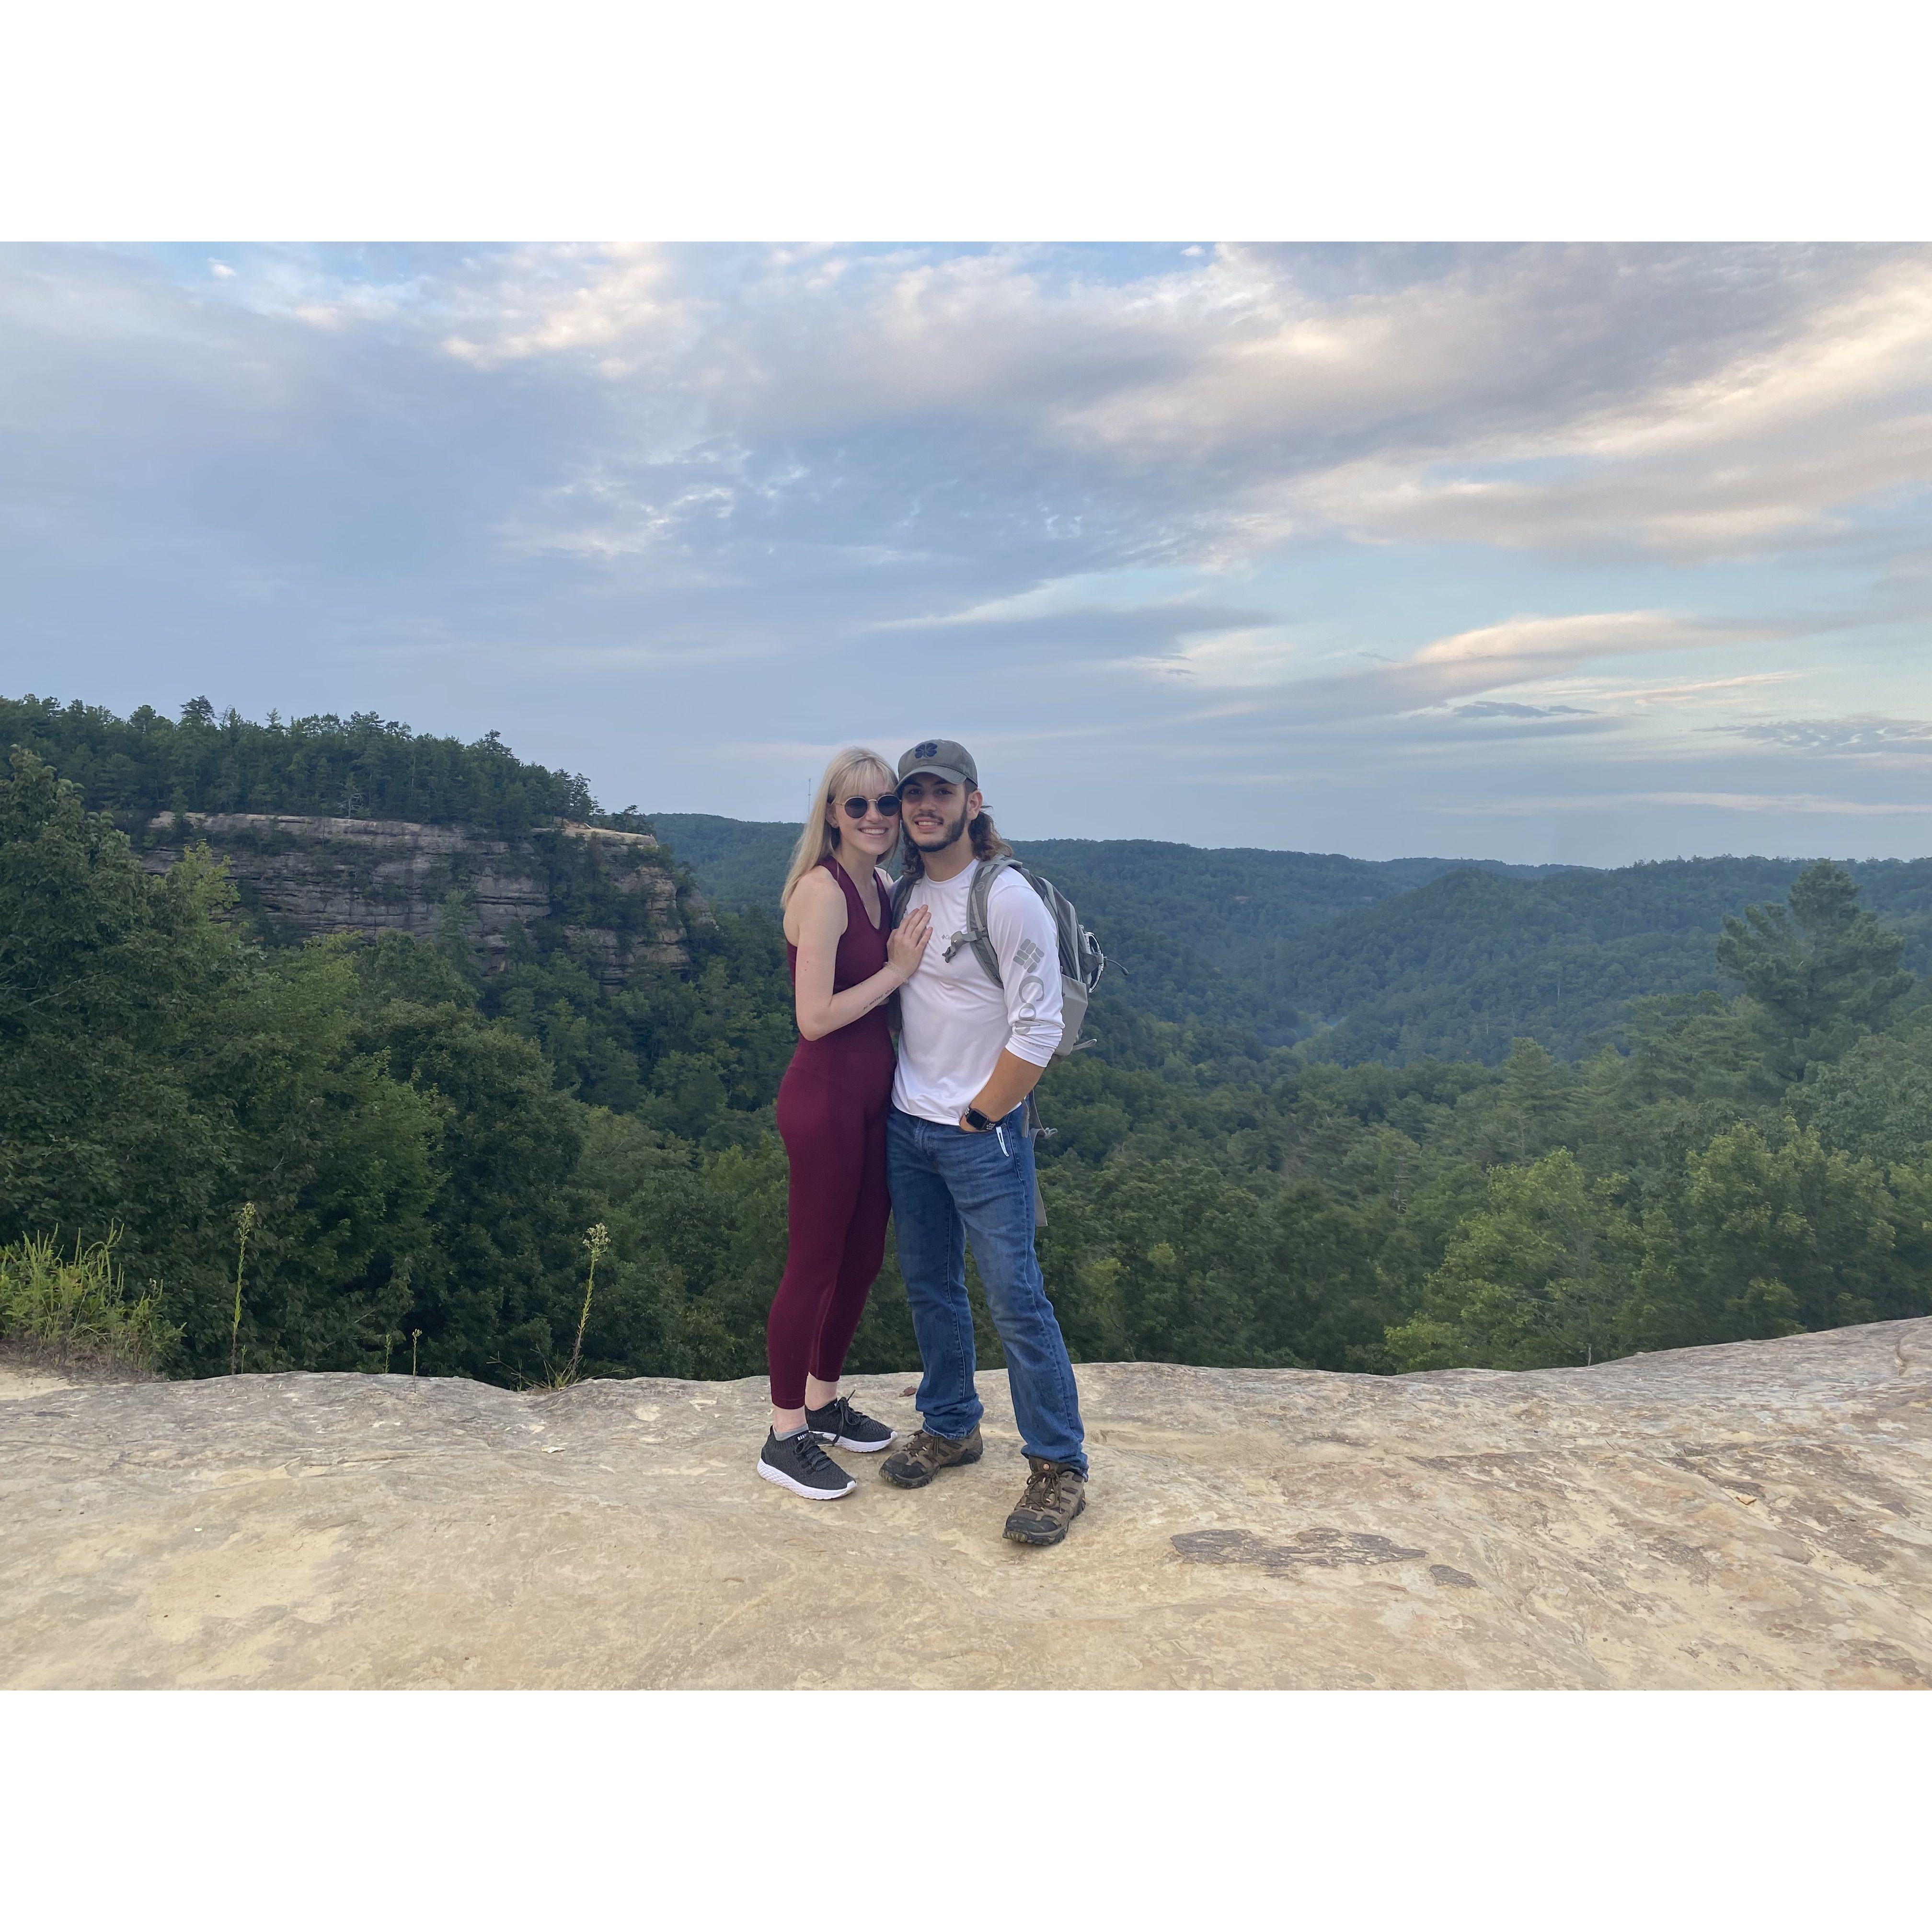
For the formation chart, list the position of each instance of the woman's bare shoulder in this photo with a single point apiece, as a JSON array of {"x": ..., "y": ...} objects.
[
  {"x": 816, "y": 897},
  {"x": 818, "y": 883}
]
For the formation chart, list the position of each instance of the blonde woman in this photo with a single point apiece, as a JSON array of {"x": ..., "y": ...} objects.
[{"x": 846, "y": 962}]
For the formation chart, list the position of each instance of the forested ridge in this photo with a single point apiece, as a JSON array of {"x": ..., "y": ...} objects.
[
  {"x": 1393, "y": 960},
  {"x": 1195, "y": 933},
  {"x": 360, "y": 766},
  {"x": 418, "y": 1151}
]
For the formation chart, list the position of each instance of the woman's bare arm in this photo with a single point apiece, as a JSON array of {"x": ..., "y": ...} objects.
[{"x": 819, "y": 907}]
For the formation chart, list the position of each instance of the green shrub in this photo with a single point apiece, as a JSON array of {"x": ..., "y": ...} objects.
[{"x": 77, "y": 1304}]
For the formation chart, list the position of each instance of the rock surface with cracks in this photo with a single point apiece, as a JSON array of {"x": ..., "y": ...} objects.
[{"x": 1754, "y": 1515}]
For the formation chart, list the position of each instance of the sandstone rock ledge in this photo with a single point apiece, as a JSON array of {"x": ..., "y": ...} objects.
[{"x": 1748, "y": 1517}]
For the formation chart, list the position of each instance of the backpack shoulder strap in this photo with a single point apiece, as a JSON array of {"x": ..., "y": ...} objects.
[
  {"x": 901, "y": 890},
  {"x": 976, "y": 934}
]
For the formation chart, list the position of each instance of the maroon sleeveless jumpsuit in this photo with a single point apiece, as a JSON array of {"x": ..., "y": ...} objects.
[{"x": 832, "y": 1104}]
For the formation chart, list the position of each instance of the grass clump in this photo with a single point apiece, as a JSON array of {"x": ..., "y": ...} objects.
[{"x": 76, "y": 1307}]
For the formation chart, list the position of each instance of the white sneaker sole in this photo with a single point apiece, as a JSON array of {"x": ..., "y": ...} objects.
[
  {"x": 849, "y": 1442},
  {"x": 799, "y": 1488}
]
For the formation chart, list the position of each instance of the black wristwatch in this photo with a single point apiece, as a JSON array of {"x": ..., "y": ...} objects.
[{"x": 977, "y": 1121}]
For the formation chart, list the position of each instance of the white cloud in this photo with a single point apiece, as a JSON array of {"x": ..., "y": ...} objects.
[
  {"x": 1697, "y": 403},
  {"x": 554, "y": 302},
  {"x": 1523, "y": 643},
  {"x": 1700, "y": 405},
  {"x": 1510, "y": 656},
  {"x": 1782, "y": 441},
  {"x": 1261, "y": 657}
]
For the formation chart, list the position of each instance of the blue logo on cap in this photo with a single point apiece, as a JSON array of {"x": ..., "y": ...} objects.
[{"x": 926, "y": 750}]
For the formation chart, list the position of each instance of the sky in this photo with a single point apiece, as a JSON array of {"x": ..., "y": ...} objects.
[{"x": 1584, "y": 554}]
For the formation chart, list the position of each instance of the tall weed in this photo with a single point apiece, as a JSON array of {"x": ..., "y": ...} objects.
[{"x": 78, "y": 1304}]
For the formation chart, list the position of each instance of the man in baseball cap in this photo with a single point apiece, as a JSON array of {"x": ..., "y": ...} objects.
[
  {"x": 959, "y": 1161},
  {"x": 942, "y": 757}
]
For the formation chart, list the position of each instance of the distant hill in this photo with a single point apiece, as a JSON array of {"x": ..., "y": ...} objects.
[
  {"x": 1458, "y": 968},
  {"x": 1395, "y": 960},
  {"x": 1193, "y": 932},
  {"x": 1247, "y": 890},
  {"x": 740, "y": 862},
  {"x": 1351, "y": 959}
]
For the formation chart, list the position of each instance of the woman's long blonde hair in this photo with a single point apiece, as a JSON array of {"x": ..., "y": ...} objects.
[{"x": 853, "y": 768}]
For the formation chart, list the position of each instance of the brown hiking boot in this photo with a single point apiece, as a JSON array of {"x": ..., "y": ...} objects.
[
  {"x": 1056, "y": 1492},
  {"x": 915, "y": 1466}
]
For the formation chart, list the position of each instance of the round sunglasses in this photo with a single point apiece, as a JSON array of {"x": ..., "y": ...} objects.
[{"x": 889, "y": 806}]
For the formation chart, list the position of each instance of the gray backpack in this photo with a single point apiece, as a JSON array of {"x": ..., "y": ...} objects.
[{"x": 1081, "y": 961}]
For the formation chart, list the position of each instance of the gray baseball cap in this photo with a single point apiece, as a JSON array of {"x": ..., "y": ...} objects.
[{"x": 944, "y": 758}]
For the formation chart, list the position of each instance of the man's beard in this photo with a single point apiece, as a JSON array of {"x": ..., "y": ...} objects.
[{"x": 955, "y": 829}]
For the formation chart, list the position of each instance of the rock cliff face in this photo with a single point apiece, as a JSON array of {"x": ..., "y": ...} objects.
[
  {"x": 1749, "y": 1517},
  {"x": 301, "y": 877}
]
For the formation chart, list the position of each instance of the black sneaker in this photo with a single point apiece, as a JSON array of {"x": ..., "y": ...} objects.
[
  {"x": 798, "y": 1464},
  {"x": 842, "y": 1425}
]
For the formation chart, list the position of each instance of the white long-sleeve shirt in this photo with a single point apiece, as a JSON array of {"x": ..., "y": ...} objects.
[{"x": 956, "y": 1022}]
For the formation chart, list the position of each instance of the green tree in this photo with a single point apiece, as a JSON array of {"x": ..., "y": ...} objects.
[
  {"x": 1533, "y": 1107},
  {"x": 496, "y": 1296},
  {"x": 1876, "y": 1100},
  {"x": 1776, "y": 1233},
  {"x": 1821, "y": 970},
  {"x": 1149, "y": 1261},
  {"x": 1535, "y": 1278},
  {"x": 156, "y": 1071},
  {"x": 342, "y": 1161},
  {"x": 1318, "y": 1299},
  {"x": 107, "y": 979}
]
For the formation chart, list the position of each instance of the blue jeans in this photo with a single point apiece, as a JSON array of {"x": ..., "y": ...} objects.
[{"x": 947, "y": 1185}]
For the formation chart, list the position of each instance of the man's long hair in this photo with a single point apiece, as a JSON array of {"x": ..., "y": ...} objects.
[{"x": 987, "y": 843}]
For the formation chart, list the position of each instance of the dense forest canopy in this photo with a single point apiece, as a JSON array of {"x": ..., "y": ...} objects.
[
  {"x": 1361, "y": 960},
  {"x": 420, "y": 1148},
  {"x": 362, "y": 766}
]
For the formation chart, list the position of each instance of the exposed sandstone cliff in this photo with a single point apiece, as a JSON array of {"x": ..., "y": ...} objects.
[
  {"x": 1752, "y": 1516},
  {"x": 304, "y": 876}
]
